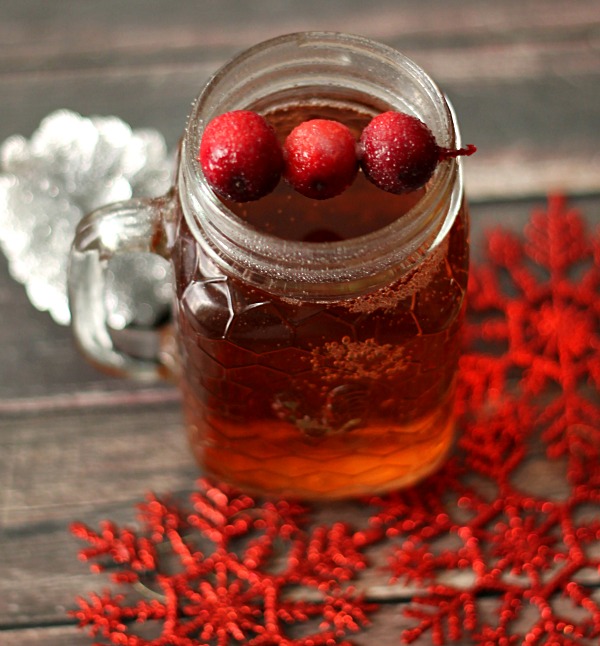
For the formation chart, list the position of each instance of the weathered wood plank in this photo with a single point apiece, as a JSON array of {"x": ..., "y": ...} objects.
[
  {"x": 79, "y": 33},
  {"x": 47, "y": 635},
  {"x": 76, "y": 464},
  {"x": 387, "y": 626},
  {"x": 79, "y": 459}
]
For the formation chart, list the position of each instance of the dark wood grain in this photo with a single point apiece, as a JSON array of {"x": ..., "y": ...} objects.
[
  {"x": 524, "y": 78},
  {"x": 517, "y": 72}
]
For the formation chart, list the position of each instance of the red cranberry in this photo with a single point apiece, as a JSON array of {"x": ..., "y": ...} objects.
[
  {"x": 399, "y": 152},
  {"x": 241, "y": 156},
  {"x": 321, "y": 159}
]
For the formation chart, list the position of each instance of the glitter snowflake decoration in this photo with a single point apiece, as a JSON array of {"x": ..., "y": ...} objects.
[
  {"x": 70, "y": 166},
  {"x": 514, "y": 571},
  {"x": 209, "y": 575},
  {"x": 495, "y": 562},
  {"x": 545, "y": 315}
]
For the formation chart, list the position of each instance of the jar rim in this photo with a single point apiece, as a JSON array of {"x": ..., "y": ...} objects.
[{"x": 315, "y": 268}]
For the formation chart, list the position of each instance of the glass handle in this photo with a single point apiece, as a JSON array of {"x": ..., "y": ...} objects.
[{"x": 133, "y": 226}]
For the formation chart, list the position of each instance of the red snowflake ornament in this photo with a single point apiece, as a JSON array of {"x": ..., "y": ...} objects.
[
  {"x": 210, "y": 575},
  {"x": 547, "y": 317},
  {"x": 529, "y": 379}
]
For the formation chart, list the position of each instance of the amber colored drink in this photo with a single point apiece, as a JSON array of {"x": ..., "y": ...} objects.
[{"x": 321, "y": 400}]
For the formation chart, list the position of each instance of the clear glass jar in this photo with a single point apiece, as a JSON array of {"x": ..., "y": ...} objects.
[{"x": 319, "y": 369}]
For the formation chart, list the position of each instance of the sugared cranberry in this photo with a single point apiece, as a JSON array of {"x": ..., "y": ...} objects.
[
  {"x": 241, "y": 156},
  {"x": 320, "y": 158},
  {"x": 399, "y": 152}
]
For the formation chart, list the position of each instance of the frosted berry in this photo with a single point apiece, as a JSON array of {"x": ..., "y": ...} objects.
[
  {"x": 399, "y": 152},
  {"x": 240, "y": 156},
  {"x": 321, "y": 158}
]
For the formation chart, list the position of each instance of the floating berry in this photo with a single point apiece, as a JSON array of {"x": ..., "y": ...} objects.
[
  {"x": 321, "y": 159},
  {"x": 399, "y": 152},
  {"x": 241, "y": 156}
]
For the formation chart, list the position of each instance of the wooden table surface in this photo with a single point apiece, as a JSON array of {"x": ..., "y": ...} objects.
[{"x": 524, "y": 78}]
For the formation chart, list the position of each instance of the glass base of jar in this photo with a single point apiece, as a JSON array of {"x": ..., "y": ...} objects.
[{"x": 260, "y": 459}]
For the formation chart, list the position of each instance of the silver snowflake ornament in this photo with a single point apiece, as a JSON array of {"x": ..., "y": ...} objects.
[{"x": 70, "y": 166}]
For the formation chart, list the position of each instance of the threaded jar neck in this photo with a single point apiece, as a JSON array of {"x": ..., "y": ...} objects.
[{"x": 359, "y": 74}]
